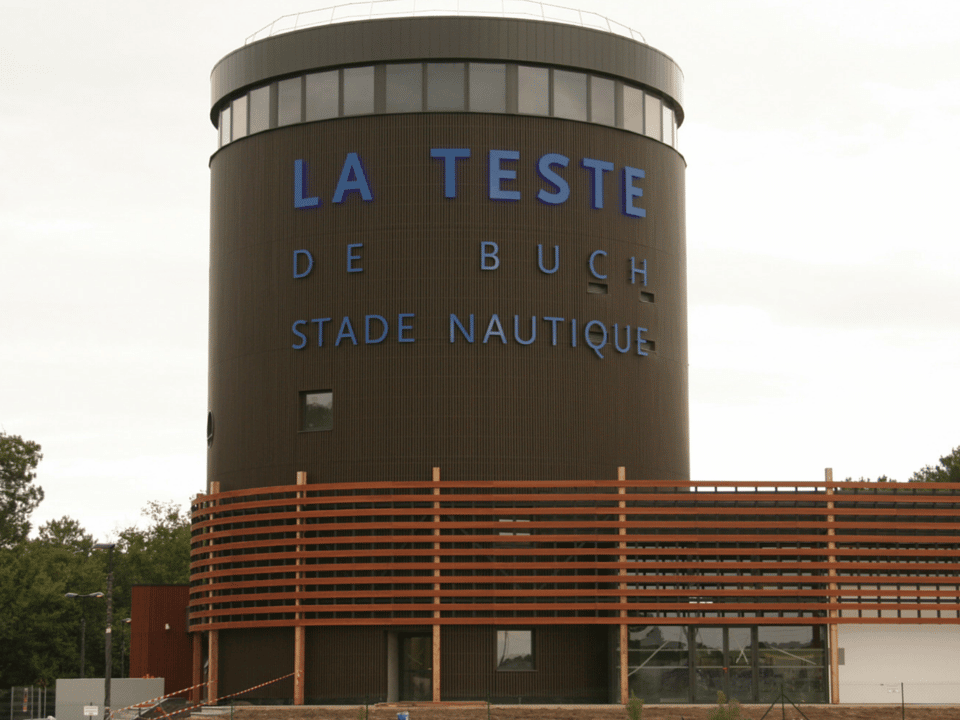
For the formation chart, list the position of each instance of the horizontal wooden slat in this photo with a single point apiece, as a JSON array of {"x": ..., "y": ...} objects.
[{"x": 537, "y": 552}]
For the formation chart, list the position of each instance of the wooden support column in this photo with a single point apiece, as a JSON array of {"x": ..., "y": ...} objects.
[
  {"x": 624, "y": 627},
  {"x": 834, "y": 639},
  {"x": 213, "y": 636},
  {"x": 213, "y": 666},
  {"x": 299, "y": 650},
  {"x": 195, "y": 694},
  {"x": 435, "y": 681}
]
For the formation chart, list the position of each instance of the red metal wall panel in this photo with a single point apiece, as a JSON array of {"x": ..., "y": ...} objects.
[{"x": 160, "y": 643}]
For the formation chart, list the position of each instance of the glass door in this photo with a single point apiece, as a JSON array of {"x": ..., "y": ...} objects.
[
  {"x": 416, "y": 667},
  {"x": 723, "y": 662},
  {"x": 708, "y": 664}
]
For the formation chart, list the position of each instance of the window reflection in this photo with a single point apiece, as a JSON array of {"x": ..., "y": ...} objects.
[
  {"x": 659, "y": 663},
  {"x": 651, "y": 117},
  {"x": 488, "y": 88},
  {"x": 260, "y": 109},
  {"x": 404, "y": 90},
  {"x": 533, "y": 90},
  {"x": 225, "y": 126},
  {"x": 322, "y": 94},
  {"x": 602, "y": 103},
  {"x": 515, "y": 650},
  {"x": 445, "y": 89},
  {"x": 289, "y": 101},
  {"x": 668, "y": 125},
  {"x": 569, "y": 95},
  {"x": 633, "y": 109},
  {"x": 662, "y": 668},
  {"x": 316, "y": 410},
  {"x": 740, "y": 646},
  {"x": 358, "y": 91},
  {"x": 239, "y": 117}
]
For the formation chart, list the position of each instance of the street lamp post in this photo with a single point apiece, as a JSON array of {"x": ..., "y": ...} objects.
[
  {"x": 83, "y": 625},
  {"x": 108, "y": 641}
]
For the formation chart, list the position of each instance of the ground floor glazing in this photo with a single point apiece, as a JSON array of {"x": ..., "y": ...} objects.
[
  {"x": 691, "y": 663},
  {"x": 566, "y": 664}
]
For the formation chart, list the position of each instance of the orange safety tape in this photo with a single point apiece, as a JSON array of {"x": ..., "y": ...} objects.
[{"x": 194, "y": 687}]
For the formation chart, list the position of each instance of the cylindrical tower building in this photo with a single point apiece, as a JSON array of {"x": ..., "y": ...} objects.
[{"x": 447, "y": 287}]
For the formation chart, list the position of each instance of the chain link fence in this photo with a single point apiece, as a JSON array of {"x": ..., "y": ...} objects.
[{"x": 28, "y": 702}]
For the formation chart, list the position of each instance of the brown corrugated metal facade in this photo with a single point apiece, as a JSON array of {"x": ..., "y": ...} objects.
[
  {"x": 539, "y": 338},
  {"x": 481, "y": 410},
  {"x": 159, "y": 638}
]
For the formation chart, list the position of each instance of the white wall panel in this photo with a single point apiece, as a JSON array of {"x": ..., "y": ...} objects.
[{"x": 878, "y": 658}]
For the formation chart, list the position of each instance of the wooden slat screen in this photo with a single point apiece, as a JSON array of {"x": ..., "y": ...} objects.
[{"x": 547, "y": 553}]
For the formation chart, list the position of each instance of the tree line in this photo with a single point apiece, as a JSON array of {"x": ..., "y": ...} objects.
[
  {"x": 947, "y": 470},
  {"x": 39, "y": 626}
]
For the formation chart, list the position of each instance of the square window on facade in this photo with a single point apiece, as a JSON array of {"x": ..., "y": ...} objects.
[
  {"x": 316, "y": 410},
  {"x": 515, "y": 650}
]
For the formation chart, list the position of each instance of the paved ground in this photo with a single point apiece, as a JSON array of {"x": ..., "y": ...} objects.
[{"x": 466, "y": 711}]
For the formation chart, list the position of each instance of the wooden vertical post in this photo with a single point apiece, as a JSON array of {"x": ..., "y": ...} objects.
[
  {"x": 624, "y": 628},
  {"x": 298, "y": 663},
  {"x": 299, "y": 651},
  {"x": 213, "y": 666},
  {"x": 436, "y": 589},
  {"x": 197, "y": 667},
  {"x": 213, "y": 636},
  {"x": 834, "y": 639}
]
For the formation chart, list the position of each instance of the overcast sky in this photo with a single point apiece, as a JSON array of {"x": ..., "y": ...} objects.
[{"x": 824, "y": 257}]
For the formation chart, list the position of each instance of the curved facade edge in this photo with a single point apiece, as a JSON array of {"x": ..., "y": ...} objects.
[{"x": 438, "y": 38}]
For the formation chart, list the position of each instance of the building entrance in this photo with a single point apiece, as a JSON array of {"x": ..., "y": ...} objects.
[
  {"x": 723, "y": 662},
  {"x": 416, "y": 666}
]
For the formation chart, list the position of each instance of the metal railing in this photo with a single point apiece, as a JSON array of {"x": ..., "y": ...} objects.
[{"x": 371, "y": 9}]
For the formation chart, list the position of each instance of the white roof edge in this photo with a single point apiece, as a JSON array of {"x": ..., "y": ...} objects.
[{"x": 378, "y": 9}]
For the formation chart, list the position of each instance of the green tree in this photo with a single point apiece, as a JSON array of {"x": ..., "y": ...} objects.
[
  {"x": 159, "y": 555},
  {"x": 67, "y": 534},
  {"x": 947, "y": 470},
  {"x": 19, "y": 497},
  {"x": 39, "y": 627}
]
